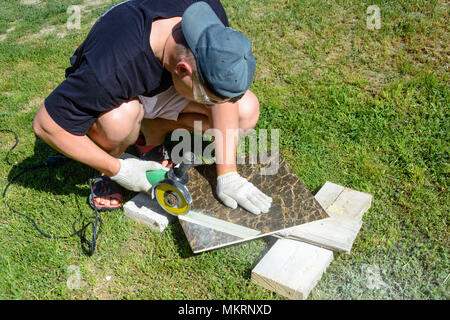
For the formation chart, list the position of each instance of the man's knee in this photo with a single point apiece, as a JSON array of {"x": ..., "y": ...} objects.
[
  {"x": 38, "y": 123},
  {"x": 248, "y": 111},
  {"x": 115, "y": 127}
]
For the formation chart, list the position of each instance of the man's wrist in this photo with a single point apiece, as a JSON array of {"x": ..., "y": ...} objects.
[
  {"x": 224, "y": 168},
  {"x": 113, "y": 168},
  {"x": 221, "y": 175}
]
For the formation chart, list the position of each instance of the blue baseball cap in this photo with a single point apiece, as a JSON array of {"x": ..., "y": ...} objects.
[{"x": 224, "y": 58}]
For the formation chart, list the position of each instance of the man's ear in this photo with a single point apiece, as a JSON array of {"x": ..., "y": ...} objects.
[{"x": 183, "y": 69}]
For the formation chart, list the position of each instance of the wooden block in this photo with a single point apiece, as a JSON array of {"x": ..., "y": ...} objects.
[
  {"x": 328, "y": 194},
  {"x": 144, "y": 210},
  {"x": 345, "y": 207},
  {"x": 292, "y": 268},
  {"x": 350, "y": 205},
  {"x": 330, "y": 233}
]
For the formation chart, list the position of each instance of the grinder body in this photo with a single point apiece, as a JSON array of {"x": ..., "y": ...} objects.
[{"x": 169, "y": 188}]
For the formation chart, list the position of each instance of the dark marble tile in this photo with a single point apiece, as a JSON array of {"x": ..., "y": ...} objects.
[
  {"x": 293, "y": 204},
  {"x": 201, "y": 237}
]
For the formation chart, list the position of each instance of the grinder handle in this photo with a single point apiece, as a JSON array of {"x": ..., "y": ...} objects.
[
  {"x": 181, "y": 170},
  {"x": 188, "y": 161}
]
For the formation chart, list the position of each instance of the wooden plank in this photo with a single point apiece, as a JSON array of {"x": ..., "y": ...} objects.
[
  {"x": 328, "y": 194},
  {"x": 350, "y": 205},
  {"x": 345, "y": 207},
  {"x": 292, "y": 268},
  {"x": 330, "y": 233}
]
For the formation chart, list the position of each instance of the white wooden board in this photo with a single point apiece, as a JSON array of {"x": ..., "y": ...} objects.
[
  {"x": 292, "y": 268},
  {"x": 345, "y": 207}
]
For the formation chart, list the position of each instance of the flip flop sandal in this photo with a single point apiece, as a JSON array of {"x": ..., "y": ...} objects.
[
  {"x": 158, "y": 154},
  {"x": 140, "y": 140},
  {"x": 104, "y": 186}
]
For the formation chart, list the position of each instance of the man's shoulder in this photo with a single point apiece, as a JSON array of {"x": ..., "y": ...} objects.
[
  {"x": 177, "y": 7},
  {"x": 218, "y": 8}
]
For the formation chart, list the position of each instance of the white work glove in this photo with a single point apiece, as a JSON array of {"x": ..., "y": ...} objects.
[
  {"x": 132, "y": 174},
  {"x": 233, "y": 189}
]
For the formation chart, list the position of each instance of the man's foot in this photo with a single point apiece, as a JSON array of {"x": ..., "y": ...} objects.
[{"x": 106, "y": 194}]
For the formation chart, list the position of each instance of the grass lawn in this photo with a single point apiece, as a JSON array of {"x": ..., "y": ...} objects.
[{"x": 367, "y": 109}]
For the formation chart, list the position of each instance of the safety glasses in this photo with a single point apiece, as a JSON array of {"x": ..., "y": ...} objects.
[{"x": 200, "y": 94}]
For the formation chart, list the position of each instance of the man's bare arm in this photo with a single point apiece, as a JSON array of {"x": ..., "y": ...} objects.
[
  {"x": 232, "y": 189},
  {"x": 225, "y": 118},
  {"x": 80, "y": 148}
]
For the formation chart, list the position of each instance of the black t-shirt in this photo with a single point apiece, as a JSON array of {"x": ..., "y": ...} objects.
[{"x": 115, "y": 63}]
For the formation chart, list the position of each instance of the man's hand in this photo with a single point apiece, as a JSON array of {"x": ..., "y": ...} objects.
[
  {"x": 233, "y": 189},
  {"x": 132, "y": 174}
]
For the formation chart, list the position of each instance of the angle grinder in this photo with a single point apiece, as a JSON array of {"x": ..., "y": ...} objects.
[{"x": 169, "y": 187}]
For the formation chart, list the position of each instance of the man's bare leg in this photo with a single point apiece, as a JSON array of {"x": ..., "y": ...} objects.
[
  {"x": 155, "y": 130},
  {"x": 114, "y": 131}
]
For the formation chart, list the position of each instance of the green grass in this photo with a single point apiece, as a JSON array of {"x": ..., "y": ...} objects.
[{"x": 367, "y": 109}]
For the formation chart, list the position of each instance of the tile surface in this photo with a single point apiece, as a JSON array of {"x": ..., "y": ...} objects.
[{"x": 210, "y": 224}]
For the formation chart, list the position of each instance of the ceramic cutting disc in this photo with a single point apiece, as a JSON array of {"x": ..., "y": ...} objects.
[{"x": 171, "y": 199}]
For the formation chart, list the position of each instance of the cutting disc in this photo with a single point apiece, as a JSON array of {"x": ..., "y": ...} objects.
[{"x": 172, "y": 197}]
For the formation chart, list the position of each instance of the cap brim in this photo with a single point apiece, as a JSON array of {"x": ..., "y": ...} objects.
[{"x": 196, "y": 19}]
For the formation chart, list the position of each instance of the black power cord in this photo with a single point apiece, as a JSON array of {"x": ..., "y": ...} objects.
[{"x": 51, "y": 162}]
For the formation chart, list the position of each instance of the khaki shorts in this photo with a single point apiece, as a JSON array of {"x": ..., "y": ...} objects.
[{"x": 166, "y": 105}]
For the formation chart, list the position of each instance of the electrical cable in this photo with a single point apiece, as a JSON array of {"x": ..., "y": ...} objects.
[{"x": 51, "y": 162}]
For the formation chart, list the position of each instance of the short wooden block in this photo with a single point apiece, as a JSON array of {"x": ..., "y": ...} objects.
[
  {"x": 345, "y": 207},
  {"x": 292, "y": 268},
  {"x": 328, "y": 194},
  {"x": 144, "y": 210},
  {"x": 350, "y": 205}
]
